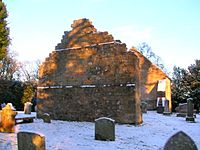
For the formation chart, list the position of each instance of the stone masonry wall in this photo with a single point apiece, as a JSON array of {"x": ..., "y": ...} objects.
[
  {"x": 90, "y": 103},
  {"x": 150, "y": 75},
  {"x": 91, "y": 75},
  {"x": 103, "y": 65}
]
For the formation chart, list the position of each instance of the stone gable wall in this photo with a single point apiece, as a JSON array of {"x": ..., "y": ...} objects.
[
  {"x": 107, "y": 69},
  {"x": 91, "y": 75}
]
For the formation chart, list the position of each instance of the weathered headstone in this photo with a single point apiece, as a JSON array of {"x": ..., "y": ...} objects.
[
  {"x": 160, "y": 107},
  {"x": 27, "y": 107},
  {"x": 7, "y": 119},
  {"x": 30, "y": 141},
  {"x": 181, "y": 110},
  {"x": 180, "y": 141},
  {"x": 166, "y": 108},
  {"x": 144, "y": 107},
  {"x": 190, "y": 111},
  {"x": 46, "y": 118},
  {"x": 105, "y": 129}
]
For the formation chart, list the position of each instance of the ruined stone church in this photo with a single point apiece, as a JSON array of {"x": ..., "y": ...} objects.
[{"x": 91, "y": 75}]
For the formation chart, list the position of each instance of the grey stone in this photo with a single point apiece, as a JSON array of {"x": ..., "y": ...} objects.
[
  {"x": 166, "y": 108},
  {"x": 190, "y": 111},
  {"x": 46, "y": 118},
  {"x": 160, "y": 108},
  {"x": 181, "y": 110},
  {"x": 105, "y": 129},
  {"x": 144, "y": 107},
  {"x": 7, "y": 123},
  {"x": 30, "y": 141},
  {"x": 27, "y": 107},
  {"x": 180, "y": 141}
]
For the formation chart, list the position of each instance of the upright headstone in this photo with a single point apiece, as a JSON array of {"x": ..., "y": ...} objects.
[
  {"x": 30, "y": 141},
  {"x": 46, "y": 118},
  {"x": 166, "y": 108},
  {"x": 144, "y": 107},
  {"x": 181, "y": 110},
  {"x": 180, "y": 141},
  {"x": 105, "y": 129},
  {"x": 7, "y": 119},
  {"x": 27, "y": 107},
  {"x": 160, "y": 107},
  {"x": 190, "y": 111}
]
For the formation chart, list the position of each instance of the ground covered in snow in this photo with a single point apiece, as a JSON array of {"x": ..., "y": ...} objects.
[{"x": 64, "y": 135}]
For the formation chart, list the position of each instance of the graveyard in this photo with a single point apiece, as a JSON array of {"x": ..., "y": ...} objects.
[
  {"x": 94, "y": 93},
  {"x": 153, "y": 133}
]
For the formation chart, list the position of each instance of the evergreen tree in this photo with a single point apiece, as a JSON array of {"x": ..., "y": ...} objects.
[
  {"x": 186, "y": 84},
  {"x": 4, "y": 31}
]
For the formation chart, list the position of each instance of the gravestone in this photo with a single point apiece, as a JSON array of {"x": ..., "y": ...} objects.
[
  {"x": 144, "y": 107},
  {"x": 105, "y": 129},
  {"x": 180, "y": 141},
  {"x": 46, "y": 118},
  {"x": 7, "y": 119},
  {"x": 190, "y": 111},
  {"x": 30, "y": 141},
  {"x": 27, "y": 107},
  {"x": 166, "y": 108},
  {"x": 160, "y": 107},
  {"x": 181, "y": 110}
]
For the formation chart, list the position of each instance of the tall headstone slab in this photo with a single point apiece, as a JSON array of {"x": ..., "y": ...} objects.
[
  {"x": 180, "y": 141},
  {"x": 30, "y": 141},
  {"x": 190, "y": 111},
  {"x": 166, "y": 108},
  {"x": 160, "y": 105},
  {"x": 7, "y": 123},
  {"x": 27, "y": 107},
  {"x": 105, "y": 129}
]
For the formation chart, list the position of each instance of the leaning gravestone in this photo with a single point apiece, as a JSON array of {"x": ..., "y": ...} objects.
[
  {"x": 105, "y": 129},
  {"x": 7, "y": 123},
  {"x": 27, "y": 107},
  {"x": 180, "y": 141},
  {"x": 190, "y": 111},
  {"x": 30, "y": 141}
]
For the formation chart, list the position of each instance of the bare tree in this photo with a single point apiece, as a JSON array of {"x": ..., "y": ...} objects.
[
  {"x": 146, "y": 50},
  {"x": 9, "y": 67},
  {"x": 29, "y": 71}
]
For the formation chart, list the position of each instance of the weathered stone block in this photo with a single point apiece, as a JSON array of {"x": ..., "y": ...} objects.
[
  {"x": 105, "y": 129},
  {"x": 7, "y": 123},
  {"x": 180, "y": 141},
  {"x": 144, "y": 107},
  {"x": 190, "y": 111},
  {"x": 46, "y": 118},
  {"x": 27, "y": 108},
  {"x": 30, "y": 141}
]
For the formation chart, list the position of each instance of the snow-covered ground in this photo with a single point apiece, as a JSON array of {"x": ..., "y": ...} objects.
[{"x": 64, "y": 135}]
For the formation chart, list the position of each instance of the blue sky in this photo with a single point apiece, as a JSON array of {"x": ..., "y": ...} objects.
[{"x": 170, "y": 27}]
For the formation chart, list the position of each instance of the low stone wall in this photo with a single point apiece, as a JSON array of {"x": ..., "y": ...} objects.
[{"x": 88, "y": 102}]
